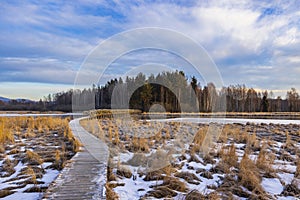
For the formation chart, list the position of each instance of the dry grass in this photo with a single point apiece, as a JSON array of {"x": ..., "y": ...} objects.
[
  {"x": 43, "y": 139},
  {"x": 161, "y": 192},
  {"x": 139, "y": 145},
  {"x": 248, "y": 174},
  {"x": 76, "y": 144},
  {"x": 188, "y": 177},
  {"x": 228, "y": 158},
  {"x": 265, "y": 160},
  {"x": 168, "y": 188},
  {"x": 6, "y": 132},
  {"x": 174, "y": 184},
  {"x": 109, "y": 192},
  {"x": 2, "y": 149},
  {"x": 253, "y": 142},
  {"x": 138, "y": 159},
  {"x": 110, "y": 175},
  {"x": 60, "y": 160},
  {"x": 289, "y": 142},
  {"x": 32, "y": 158},
  {"x": 29, "y": 133},
  {"x": 32, "y": 175},
  {"x": 195, "y": 195},
  {"x": 297, "y": 173},
  {"x": 124, "y": 171},
  {"x": 4, "y": 193},
  {"x": 8, "y": 167}
]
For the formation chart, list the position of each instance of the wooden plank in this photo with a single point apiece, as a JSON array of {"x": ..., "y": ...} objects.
[{"x": 85, "y": 176}]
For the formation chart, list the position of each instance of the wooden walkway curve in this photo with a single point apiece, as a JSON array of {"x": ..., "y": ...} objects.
[{"x": 85, "y": 177}]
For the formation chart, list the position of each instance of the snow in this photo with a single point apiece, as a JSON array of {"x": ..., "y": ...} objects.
[
  {"x": 17, "y": 168},
  {"x": 46, "y": 164},
  {"x": 49, "y": 176},
  {"x": 287, "y": 198},
  {"x": 130, "y": 190},
  {"x": 124, "y": 157},
  {"x": 285, "y": 177},
  {"x": 285, "y": 166},
  {"x": 272, "y": 185},
  {"x": 229, "y": 120},
  {"x": 197, "y": 166},
  {"x": 26, "y": 196}
]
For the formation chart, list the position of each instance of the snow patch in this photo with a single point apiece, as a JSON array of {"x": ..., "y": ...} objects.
[{"x": 272, "y": 185}]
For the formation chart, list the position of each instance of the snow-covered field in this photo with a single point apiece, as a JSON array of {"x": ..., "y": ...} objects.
[
  {"x": 32, "y": 153},
  {"x": 230, "y": 120},
  {"x": 201, "y": 158}
]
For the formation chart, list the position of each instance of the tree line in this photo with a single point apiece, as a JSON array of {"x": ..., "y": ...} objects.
[{"x": 173, "y": 91}]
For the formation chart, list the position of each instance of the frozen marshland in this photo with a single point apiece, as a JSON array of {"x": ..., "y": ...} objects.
[{"x": 190, "y": 158}]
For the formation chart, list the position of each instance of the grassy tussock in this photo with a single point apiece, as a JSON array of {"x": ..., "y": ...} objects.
[
  {"x": 8, "y": 166},
  {"x": 174, "y": 184},
  {"x": 124, "y": 171},
  {"x": 248, "y": 174},
  {"x": 6, "y": 132},
  {"x": 188, "y": 177},
  {"x": 60, "y": 159},
  {"x": 4, "y": 193},
  {"x": 139, "y": 144},
  {"x": 297, "y": 173},
  {"x": 162, "y": 192},
  {"x": 76, "y": 144},
  {"x": 32, "y": 158},
  {"x": 31, "y": 173},
  {"x": 2, "y": 149},
  {"x": 109, "y": 192},
  {"x": 265, "y": 160},
  {"x": 228, "y": 157}
]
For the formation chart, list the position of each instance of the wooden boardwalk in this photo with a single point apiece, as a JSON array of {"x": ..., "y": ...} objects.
[{"x": 85, "y": 176}]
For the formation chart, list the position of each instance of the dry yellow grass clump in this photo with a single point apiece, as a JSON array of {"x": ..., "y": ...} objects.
[
  {"x": 6, "y": 132},
  {"x": 109, "y": 192},
  {"x": 33, "y": 158},
  {"x": 249, "y": 174},
  {"x": 31, "y": 173},
  {"x": 297, "y": 173},
  {"x": 265, "y": 159},
  {"x": 198, "y": 140},
  {"x": 228, "y": 157},
  {"x": 139, "y": 144}
]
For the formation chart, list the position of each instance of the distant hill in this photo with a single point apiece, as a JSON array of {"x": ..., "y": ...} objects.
[
  {"x": 4, "y": 99},
  {"x": 19, "y": 100}
]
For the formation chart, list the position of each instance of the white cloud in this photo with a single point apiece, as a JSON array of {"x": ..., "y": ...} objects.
[{"x": 264, "y": 36}]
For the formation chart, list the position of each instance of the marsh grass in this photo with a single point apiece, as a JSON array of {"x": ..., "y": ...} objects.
[
  {"x": 32, "y": 158},
  {"x": 234, "y": 148},
  {"x": 188, "y": 177},
  {"x": 8, "y": 167},
  {"x": 249, "y": 176},
  {"x": 32, "y": 175},
  {"x": 228, "y": 157},
  {"x": 60, "y": 160},
  {"x": 265, "y": 160},
  {"x": 110, "y": 193},
  {"x": 33, "y": 140},
  {"x": 4, "y": 193},
  {"x": 124, "y": 171},
  {"x": 6, "y": 132},
  {"x": 297, "y": 173}
]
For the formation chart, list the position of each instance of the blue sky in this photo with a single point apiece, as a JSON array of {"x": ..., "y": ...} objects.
[{"x": 44, "y": 43}]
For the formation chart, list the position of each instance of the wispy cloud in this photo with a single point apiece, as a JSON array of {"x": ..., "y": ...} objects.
[{"x": 251, "y": 42}]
